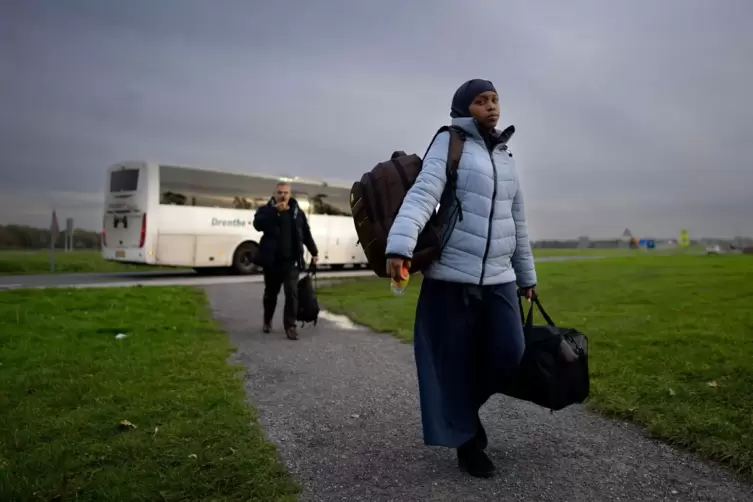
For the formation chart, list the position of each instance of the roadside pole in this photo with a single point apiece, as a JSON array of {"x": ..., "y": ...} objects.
[
  {"x": 68, "y": 235},
  {"x": 54, "y": 232}
]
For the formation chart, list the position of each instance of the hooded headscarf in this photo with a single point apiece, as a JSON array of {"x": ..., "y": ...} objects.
[{"x": 461, "y": 101}]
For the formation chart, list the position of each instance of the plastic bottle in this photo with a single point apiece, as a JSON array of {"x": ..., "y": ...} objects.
[{"x": 398, "y": 287}]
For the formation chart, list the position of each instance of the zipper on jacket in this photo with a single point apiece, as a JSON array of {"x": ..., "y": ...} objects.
[{"x": 491, "y": 219}]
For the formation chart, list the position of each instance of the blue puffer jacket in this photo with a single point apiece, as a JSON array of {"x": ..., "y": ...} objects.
[{"x": 490, "y": 245}]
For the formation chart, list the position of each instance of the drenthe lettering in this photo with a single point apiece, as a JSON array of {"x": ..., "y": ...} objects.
[{"x": 237, "y": 222}]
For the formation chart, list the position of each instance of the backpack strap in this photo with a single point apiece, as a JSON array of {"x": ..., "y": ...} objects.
[
  {"x": 454, "y": 152},
  {"x": 457, "y": 141}
]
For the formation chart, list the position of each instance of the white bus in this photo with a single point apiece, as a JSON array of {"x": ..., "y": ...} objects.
[{"x": 177, "y": 216}]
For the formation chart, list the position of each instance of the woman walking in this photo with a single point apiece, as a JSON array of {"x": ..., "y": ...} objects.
[{"x": 468, "y": 336}]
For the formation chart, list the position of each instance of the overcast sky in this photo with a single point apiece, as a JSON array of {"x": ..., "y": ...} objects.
[{"x": 631, "y": 114}]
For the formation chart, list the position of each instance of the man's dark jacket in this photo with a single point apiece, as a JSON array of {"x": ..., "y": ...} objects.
[{"x": 266, "y": 220}]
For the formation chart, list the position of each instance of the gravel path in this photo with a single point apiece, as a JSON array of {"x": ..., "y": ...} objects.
[{"x": 341, "y": 404}]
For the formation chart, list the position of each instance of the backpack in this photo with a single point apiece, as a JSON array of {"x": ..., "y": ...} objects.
[
  {"x": 554, "y": 370},
  {"x": 376, "y": 199},
  {"x": 308, "y": 306}
]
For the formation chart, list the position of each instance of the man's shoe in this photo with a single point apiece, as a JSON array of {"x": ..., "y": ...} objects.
[
  {"x": 291, "y": 333},
  {"x": 474, "y": 461},
  {"x": 267, "y": 327}
]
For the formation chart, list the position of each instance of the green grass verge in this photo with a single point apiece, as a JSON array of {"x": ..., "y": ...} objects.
[
  {"x": 91, "y": 261},
  {"x": 671, "y": 340},
  {"x": 68, "y": 385},
  {"x": 83, "y": 261},
  {"x": 545, "y": 252},
  {"x": 615, "y": 253}
]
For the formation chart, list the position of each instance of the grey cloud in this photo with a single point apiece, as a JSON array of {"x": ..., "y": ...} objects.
[{"x": 628, "y": 114}]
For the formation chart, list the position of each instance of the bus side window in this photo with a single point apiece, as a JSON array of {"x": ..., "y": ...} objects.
[
  {"x": 303, "y": 201},
  {"x": 325, "y": 204}
]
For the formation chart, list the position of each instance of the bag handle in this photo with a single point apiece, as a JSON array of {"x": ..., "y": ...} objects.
[
  {"x": 312, "y": 272},
  {"x": 312, "y": 268},
  {"x": 528, "y": 320}
]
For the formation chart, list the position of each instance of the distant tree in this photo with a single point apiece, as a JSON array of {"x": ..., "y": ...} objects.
[{"x": 26, "y": 237}]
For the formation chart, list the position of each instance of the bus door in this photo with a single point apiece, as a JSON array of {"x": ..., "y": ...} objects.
[
  {"x": 124, "y": 224},
  {"x": 319, "y": 224}
]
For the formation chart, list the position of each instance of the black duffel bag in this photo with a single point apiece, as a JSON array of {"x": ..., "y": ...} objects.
[
  {"x": 554, "y": 370},
  {"x": 308, "y": 305}
]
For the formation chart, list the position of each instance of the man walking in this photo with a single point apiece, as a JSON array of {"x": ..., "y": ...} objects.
[{"x": 285, "y": 230}]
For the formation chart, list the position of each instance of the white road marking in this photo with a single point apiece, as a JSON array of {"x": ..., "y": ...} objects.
[{"x": 340, "y": 321}]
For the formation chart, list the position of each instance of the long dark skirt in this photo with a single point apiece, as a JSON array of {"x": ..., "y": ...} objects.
[{"x": 467, "y": 341}]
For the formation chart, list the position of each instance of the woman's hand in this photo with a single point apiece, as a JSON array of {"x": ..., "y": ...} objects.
[
  {"x": 528, "y": 292},
  {"x": 395, "y": 267}
]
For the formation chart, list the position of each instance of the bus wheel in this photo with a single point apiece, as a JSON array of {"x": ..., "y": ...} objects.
[{"x": 243, "y": 259}]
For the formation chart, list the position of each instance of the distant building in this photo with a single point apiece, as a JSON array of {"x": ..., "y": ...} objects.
[
  {"x": 740, "y": 242},
  {"x": 626, "y": 240},
  {"x": 606, "y": 244}
]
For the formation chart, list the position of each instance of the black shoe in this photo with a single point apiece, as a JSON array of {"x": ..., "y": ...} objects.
[
  {"x": 267, "y": 327},
  {"x": 474, "y": 461},
  {"x": 291, "y": 333},
  {"x": 481, "y": 440}
]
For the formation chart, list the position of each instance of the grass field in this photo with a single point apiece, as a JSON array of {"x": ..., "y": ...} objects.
[
  {"x": 546, "y": 252},
  {"x": 671, "y": 340},
  {"x": 613, "y": 253},
  {"x": 91, "y": 261},
  {"x": 38, "y": 262},
  {"x": 159, "y": 415}
]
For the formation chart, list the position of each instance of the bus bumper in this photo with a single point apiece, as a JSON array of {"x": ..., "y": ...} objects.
[{"x": 141, "y": 255}]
